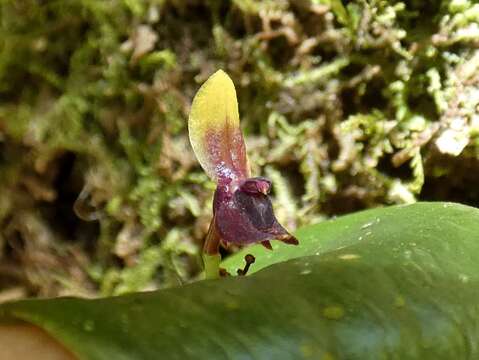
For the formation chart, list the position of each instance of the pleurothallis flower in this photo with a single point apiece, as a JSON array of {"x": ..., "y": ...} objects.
[{"x": 242, "y": 209}]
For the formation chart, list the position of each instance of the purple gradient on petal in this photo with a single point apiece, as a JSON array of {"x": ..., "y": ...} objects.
[
  {"x": 245, "y": 215},
  {"x": 227, "y": 153}
]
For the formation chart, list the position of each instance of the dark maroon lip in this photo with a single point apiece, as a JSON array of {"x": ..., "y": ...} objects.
[{"x": 245, "y": 215}]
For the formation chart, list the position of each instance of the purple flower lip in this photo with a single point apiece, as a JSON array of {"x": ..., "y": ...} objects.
[{"x": 245, "y": 215}]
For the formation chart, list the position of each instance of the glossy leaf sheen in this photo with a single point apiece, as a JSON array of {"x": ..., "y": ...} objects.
[{"x": 391, "y": 283}]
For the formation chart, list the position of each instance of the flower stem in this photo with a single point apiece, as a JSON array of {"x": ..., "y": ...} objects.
[{"x": 212, "y": 265}]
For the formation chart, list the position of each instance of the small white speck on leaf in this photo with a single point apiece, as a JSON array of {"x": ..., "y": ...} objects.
[{"x": 349, "y": 256}]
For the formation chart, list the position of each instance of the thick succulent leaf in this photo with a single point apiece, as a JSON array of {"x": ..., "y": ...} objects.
[
  {"x": 401, "y": 287},
  {"x": 214, "y": 129}
]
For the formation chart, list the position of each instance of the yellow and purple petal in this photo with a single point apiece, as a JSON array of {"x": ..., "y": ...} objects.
[{"x": 215, "y": 132}]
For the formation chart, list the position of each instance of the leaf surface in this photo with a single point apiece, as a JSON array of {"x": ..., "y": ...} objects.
[{"x": 401, "y": 287}]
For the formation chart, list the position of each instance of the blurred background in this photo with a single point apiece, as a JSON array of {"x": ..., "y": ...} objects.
[{"x": 345, "y": 106}]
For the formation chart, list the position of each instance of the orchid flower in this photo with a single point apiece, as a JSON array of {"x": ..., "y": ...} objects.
[{"x": 242, "y": 210}]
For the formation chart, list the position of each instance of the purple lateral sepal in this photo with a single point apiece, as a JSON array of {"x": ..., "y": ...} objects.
[{"x": 243, "y": 213}]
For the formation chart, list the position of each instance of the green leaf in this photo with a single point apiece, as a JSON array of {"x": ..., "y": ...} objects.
[
  {"x": 390, "y": 283},
  {"x": 394, "y": 227}
]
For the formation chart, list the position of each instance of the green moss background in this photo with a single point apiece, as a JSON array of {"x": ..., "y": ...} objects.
[{"x": 345, "y": 106}]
